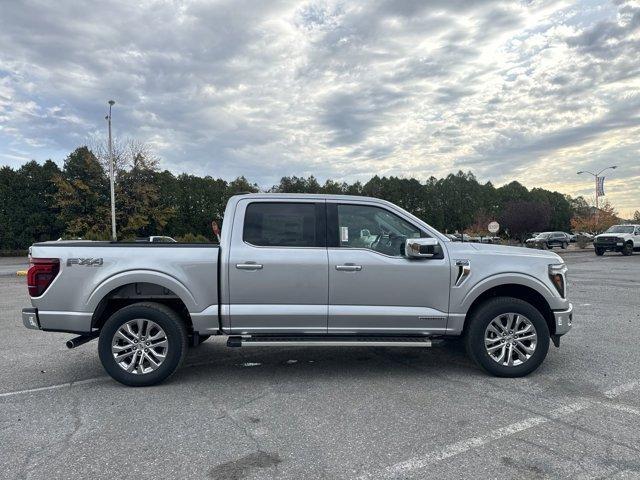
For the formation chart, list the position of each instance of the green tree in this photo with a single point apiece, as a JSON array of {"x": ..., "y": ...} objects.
[
  {"x": 82, "y": 196},
  {"x": 140, "y": 211},
  {"x": 297, "y": 185},
  {"x": 560, "y": 208}
]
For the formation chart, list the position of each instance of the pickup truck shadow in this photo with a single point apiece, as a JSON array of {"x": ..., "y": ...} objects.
[{"x": 211, "y": 360}]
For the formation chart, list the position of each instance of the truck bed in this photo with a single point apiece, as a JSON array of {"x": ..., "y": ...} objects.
[{"x": 91, "y": 272}]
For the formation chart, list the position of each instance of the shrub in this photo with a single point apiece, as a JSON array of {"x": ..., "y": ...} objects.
[{"x": 582, "y": 241}]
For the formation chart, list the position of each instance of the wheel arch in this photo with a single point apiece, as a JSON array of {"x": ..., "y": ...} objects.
[
  {"x": 127, "y": 290},
  {"x": 514, "y": 290}
]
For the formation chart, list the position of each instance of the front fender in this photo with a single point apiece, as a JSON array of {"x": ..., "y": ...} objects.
[
  {"x": 141, "y": 276},
  {"x": 510, "y": 278}
]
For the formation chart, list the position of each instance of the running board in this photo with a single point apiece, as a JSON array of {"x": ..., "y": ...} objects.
[{"x": 327, "y": 341}]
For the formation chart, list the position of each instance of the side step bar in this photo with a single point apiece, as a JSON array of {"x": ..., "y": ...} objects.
[{"x": 328, "y": 341}]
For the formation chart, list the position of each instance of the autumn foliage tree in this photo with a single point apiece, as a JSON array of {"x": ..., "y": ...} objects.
[{"x": 595, "y": 221}]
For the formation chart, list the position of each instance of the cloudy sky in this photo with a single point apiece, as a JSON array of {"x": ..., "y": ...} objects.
[{"x": 526, "y": 90}]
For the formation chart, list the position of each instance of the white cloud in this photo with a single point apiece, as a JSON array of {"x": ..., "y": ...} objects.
[{"x": 530, "y": 90}]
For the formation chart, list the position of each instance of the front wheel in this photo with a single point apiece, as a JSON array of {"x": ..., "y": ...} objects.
[
  {"x": 564, "y": 245},
  {"x": 507, "y": 337},
  {"x": 142, "y": 344},
  {"x": 599, "y": 251}
]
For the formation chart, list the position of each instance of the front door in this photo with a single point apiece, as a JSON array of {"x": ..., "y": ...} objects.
[
  {"x": 373, "y": 287},
  {"x": 278, "y": 280}
]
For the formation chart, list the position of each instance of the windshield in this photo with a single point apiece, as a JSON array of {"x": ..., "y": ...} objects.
[
  {"x": 620, "y": 229},
  {"x": 543, "y": 235}
]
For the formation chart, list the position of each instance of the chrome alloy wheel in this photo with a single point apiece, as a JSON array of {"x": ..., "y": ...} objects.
[
  {"x": 510, "y": 339},
  {"x": 139, "y": 346}
]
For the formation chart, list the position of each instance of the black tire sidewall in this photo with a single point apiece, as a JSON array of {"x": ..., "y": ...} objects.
[
  {"x": 167, "y": 320},
  {"x": 627, "y": 249},
  {"x": 599, "y": 252},
  {"x": 478, "y": 324}
]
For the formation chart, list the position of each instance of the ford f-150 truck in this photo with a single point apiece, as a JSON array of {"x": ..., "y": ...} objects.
[
  {"x": 296, "y": 269},
  {"x": 618, "y": 238}
]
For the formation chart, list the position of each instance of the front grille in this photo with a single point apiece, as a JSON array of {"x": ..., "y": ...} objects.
[{"x": 607, "y": 240}]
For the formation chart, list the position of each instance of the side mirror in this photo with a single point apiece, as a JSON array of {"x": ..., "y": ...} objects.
[{"x": 422, "y": 248}]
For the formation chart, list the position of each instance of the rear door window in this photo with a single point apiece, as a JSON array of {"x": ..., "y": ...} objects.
[{"x": 283, "y": 224}]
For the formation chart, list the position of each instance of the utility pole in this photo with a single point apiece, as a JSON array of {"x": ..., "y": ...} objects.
[{"x": 112, "y": 177}]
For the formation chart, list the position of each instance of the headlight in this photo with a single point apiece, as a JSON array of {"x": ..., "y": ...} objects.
[{"x": 557, "y": 273}]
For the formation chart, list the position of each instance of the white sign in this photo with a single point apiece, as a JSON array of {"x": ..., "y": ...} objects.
[{"x": 494, "y": 227}]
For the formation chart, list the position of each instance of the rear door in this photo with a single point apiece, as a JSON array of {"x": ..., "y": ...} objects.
[
  {"x": 373, "y": 287},
  {"x": 278, "y": 279}
]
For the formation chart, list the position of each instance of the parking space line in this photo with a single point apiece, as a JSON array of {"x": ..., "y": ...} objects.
[
  {"x": 53, "y": 387},
  {"x": 620, "y": 389},
  {"x": 620, "y": 407},
  {"x": 466, "y": 445},
  {"x": 82, "y": 382}
]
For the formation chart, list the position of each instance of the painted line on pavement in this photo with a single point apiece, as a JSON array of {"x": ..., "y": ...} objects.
[
  {"x": 462, "y": 446},
  {"x": 53, "y": 387},
  {"x": 82, "y": 382},
  {"x": 620, "y": 389}
]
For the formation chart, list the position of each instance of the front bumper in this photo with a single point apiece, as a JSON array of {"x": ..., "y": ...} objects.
[
  {"x": 30, "y": 318},
  {"x": 564, "y": 320}
]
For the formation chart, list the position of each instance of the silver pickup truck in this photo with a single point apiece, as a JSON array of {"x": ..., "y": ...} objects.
[{"x": 295, "y": 269}]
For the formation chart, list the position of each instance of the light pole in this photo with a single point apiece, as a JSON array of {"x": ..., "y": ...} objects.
[
  {"x": 596, "y": 175},
  {"x": 112, "y": 177}
]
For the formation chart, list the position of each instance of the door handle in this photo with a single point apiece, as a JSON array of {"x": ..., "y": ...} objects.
[
  {"x": 349, "y": 267},
  {"x": 248, "y": 266}
]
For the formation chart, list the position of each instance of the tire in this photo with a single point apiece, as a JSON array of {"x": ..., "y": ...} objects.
[
  {"x": 599, "y": 251},
  {"x": 503, "y": 310},
  {"x": 627, "y": 249},
  {"x": 157, "y": 321},
  {"x": 564, "y": 245}
]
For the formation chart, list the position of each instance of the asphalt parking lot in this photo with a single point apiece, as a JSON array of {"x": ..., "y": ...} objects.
[{"x": 334, "y": 413}]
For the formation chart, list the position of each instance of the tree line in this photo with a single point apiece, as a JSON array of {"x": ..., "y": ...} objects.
[{"x": 44, "y": 202}]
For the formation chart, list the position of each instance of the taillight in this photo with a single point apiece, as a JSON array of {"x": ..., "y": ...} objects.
[{"x": 41, "y": 273}]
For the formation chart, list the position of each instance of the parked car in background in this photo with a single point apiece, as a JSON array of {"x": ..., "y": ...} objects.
[
  {"x": 618, "y": 238},
  {"x": 156, "y": 239},
  {"x": 585, "y": 235},
  {"x": 549, "y": 240}
]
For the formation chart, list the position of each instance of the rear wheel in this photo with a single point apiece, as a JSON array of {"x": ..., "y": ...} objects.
[
  {"x": 507, "y": 337},
  {"x": 627, "y": 249},
  {"x": 599, "y": 251},
  {"x": 142, "y": 344}
]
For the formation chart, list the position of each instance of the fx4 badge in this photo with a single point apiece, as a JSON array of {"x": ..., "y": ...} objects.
[{"x": 87, "y": 262}]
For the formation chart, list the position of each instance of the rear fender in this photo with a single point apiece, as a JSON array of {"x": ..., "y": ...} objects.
[{"x": 141, "y": 276}]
